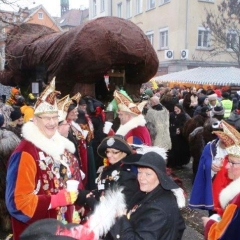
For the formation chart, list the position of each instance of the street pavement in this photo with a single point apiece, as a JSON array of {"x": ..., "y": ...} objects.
[{"x": 194, "y": 230}]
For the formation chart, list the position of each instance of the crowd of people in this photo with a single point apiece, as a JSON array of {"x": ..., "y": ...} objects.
[{"x": 126, "y": 187}]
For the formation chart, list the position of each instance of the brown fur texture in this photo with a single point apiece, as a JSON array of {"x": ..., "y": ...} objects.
[{"x": 8, "y": 142}]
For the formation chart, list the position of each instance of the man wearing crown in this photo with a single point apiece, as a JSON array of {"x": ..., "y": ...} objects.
[
  {"x": 227, "y": 225},
  {"x": 34, "y": 189},
  {"x": 132, "y": 122}
]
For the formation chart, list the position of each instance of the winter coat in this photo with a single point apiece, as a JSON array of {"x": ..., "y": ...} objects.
[
  {"x": 118, "y": 174},
  {"x": 159, "y": 120},
  {"x": 179, "y": 154},
  {"x": 8, "y": 142},
  {"x": 234, "y": 119},
  {"x": 156, "y": 216}
]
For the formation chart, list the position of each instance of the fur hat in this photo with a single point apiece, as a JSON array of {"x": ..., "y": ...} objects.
[
  {"x": 47, "y": 102},
  {"x": 117, "y": 142},
  {"x": 231, "y": 138},
  {"x": 1, "y": 119},
  {"x": 212, "y": 97},
  {"x": 63, "y": 105},
  {"x": 16, "y": 114},
  {"x": 126, "y": 105},
  {"x": 218, "y": 110},
  {"x": 156, "y": 162}
]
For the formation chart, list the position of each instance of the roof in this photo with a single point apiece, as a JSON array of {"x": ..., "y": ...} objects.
[
  {"x": 32, "y": 11},
  {"x": 73, "y": 17},
  {"x": 224, "y": 76}
]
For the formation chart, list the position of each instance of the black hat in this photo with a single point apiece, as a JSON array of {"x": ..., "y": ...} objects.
[
  {"x": 154, "y": 161},
  {"x": 82, "y": 102},
  {"x": 53, "y": 229},
  {"x": 117, "y": 142},
  {"x": 16, "y": 114},
  {"x": 205, "y": 109}
]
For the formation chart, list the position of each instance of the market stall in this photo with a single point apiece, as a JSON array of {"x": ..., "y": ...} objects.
[{"x": 203, "y": 77}]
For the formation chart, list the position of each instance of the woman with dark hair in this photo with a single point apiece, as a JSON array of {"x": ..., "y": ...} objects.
[{"x": 179, "y": 154}]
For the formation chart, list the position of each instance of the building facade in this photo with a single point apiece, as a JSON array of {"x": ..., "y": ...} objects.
[{"x": 174, "y": 27}]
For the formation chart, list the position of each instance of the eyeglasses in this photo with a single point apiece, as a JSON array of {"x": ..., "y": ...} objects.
[
  {"x": 232, "y": 164},
  {"x": 48, "y": 119},
  {"x": 65, "y": 124},
  {"x": 112, "y": 152}
]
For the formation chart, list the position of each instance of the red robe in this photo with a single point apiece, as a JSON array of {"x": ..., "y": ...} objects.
[{"x": 33, "y": 175}]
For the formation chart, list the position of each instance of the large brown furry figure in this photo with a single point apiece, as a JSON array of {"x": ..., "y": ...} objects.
[{"x": 8, "y": 142}]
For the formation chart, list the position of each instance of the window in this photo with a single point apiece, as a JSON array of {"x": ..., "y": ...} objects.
[
  {"x": 40, "y": 15},
  {"x": 128, "y": 9},
  {"x": 119, "y": 10},
  {"x": 163, "y": 38},
  {"x": 203, "y": 38},
  {"x": 150, "y": 36},
  {"x": 94, "y": 8},
  {"x": 164, "y": 1},
  {"x": 150, "y": 4},
  {"x": 138, "y": 6},
  {"x": 232, "y": 40},
  {"x": 102, "y": 6}
]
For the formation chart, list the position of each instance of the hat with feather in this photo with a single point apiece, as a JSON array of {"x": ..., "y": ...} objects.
[
  {"x": 231, "y": 138},
  {"x": 126, "y": 105},
  {"x": 47, "y": 102}
]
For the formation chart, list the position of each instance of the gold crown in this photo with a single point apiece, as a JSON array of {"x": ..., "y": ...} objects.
[
  {"x": 127, "y": 105},
  {"x": 76, "y": 97},
  {"x": 63, "y": 105},
  {"x": 47, "y": 102},
  {"x": 231, "y": 138}
]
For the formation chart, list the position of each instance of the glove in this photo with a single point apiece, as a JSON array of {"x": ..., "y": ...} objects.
[{"x": 63, "y": 198}]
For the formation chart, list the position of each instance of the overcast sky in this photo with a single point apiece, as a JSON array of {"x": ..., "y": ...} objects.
[{"x": 52, "y": 6}]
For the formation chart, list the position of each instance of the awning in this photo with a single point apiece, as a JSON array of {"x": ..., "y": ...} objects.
[{"x": 221, "y": 76}]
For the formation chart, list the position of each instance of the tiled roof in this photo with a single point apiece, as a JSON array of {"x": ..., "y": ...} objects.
[
  {"x": 73, "y": 17},
  {"x": 224, "y": 76}
]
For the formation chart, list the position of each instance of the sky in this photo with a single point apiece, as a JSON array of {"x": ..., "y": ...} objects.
[{"x": 52, "y": 6}]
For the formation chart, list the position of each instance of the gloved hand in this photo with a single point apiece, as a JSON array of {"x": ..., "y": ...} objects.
[{"x": 63, "y": 198}]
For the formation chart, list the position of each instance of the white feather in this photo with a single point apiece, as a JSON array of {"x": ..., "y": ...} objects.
[
  {"x": 104, "y": 216},
  {"x": 179, "y": 194},
  {"x": 142, "y": 149}
]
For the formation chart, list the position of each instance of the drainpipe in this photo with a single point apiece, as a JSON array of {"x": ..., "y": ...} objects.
[
  {"x": 111, "y": 8},
  {"x": 186, "y": 30}
]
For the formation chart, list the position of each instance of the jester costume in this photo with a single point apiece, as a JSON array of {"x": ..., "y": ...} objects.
[{"x": 38, "y": 168}]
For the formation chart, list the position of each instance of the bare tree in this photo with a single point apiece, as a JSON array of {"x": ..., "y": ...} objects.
[{"x": 224, "y": 25}]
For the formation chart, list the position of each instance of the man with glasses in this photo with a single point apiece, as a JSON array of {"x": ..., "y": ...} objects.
[
  {"x": 226, "y": 226},
  {"x": 34, "y": 189},
  {"x": 132, "y": 122}
]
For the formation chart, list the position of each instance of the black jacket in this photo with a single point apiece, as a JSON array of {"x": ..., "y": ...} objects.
[
  {"x": 155, "y": 217},
  {"x": 118, "y": 174}
]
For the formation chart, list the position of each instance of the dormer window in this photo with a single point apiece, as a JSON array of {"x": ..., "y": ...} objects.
[{"x": 40, "y": 15}]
